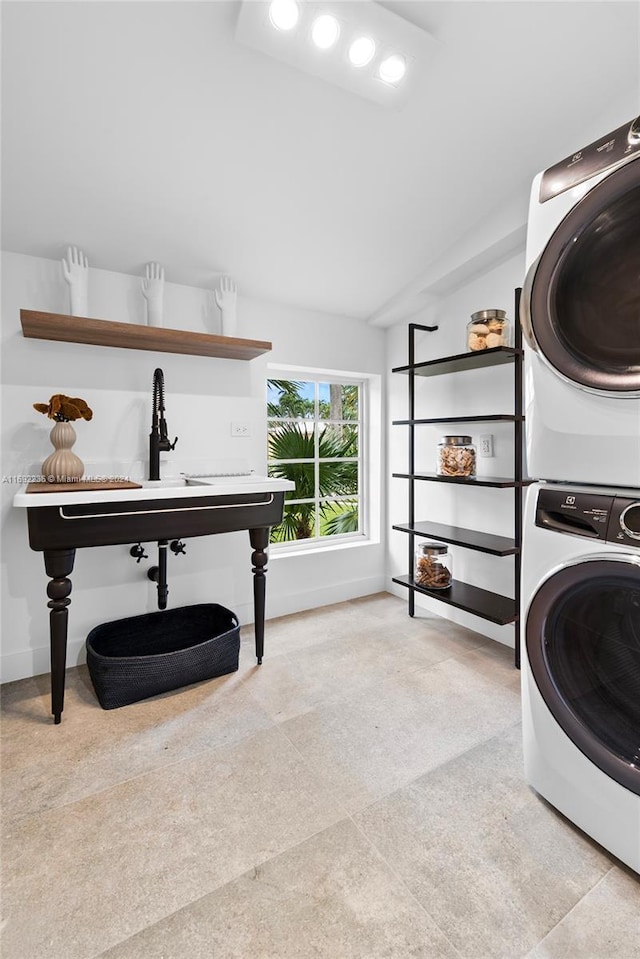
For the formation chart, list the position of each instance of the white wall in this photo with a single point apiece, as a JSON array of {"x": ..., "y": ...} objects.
[
  {"x": 470, "y": 393},
  {"x": 203, "y": 396},
  {"x": 327, "y": 342}
]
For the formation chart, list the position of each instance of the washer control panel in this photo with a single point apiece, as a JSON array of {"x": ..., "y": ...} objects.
[{"x": 610, "y": 518}]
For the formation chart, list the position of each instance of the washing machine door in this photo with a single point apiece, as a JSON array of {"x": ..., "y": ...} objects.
[
  {"x": 583, "y": 646},
  {"x": 580, "y": 307}
]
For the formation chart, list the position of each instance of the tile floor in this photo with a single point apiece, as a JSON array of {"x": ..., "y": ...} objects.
[{"x": 358, "y": 796}]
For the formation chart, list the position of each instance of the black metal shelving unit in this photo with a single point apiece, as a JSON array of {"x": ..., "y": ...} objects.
[{"x": 481, "y": 602}]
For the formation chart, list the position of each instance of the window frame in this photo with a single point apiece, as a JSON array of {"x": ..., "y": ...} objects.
[{"x": 363, "y": 536}]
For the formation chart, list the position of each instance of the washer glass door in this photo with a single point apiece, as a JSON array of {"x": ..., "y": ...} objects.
[
  {"x": 584, "y": 300},
  {"x": 583, "y": 645}
]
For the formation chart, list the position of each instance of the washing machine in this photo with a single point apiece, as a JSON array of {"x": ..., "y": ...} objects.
[
  {"x": 581, "y": 658},
  {"x": 580, "y": 315}
]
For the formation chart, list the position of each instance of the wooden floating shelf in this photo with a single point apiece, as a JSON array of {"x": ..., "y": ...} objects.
[
  {"x": 492, "y": 418},
  {"x": 490, "y": 606},
  {"x": 133, "y": 336},
  {"x": 497, "y": 482},
  {"x": 462, "y": 361},
  {"x": 468, "y": 538}
]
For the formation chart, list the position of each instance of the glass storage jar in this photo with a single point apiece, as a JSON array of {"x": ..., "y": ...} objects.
[
  {"x": 433, "y": 566},
  {"x": 487, "y": 329},
  {"x": 456, "y": 456}
]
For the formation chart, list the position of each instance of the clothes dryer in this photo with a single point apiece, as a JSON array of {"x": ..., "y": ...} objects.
[
  {"x": 581, "y": 661},
  {"x": 580, "y": 314}
]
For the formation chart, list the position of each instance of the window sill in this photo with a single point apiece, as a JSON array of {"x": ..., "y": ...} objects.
[{"x": 316, "y": 549}]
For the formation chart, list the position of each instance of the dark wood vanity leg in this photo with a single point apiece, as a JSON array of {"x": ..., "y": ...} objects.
[
  {"x": 58, "y": 564},
  {"x": 259, "y": 541}
]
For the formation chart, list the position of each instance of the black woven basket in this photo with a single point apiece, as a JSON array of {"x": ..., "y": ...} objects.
[{"x": 132, "y": 659}]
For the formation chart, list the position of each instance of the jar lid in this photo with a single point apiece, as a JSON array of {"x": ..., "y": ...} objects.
[
  {"x": 456, "y": 440},
  {"x": 488, "y": 315},
  {"x": 433, "y": 548}
]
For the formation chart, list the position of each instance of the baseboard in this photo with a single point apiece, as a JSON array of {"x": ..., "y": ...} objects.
[
  {"x": 33, "y": 662},
  {"x": 323, "y": 596}
]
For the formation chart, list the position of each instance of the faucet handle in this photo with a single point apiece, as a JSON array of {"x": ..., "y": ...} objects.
[
  {"x": 138, "y": 552},
  {"x": 164, "y": 446}
]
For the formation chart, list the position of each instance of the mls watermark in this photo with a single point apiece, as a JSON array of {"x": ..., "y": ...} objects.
[{"x": 21, "y": 479}]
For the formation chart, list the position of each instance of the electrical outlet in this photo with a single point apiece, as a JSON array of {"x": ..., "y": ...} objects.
[
  {"x": 240, "y": 429},
  {"x": 486, "y": 445}
]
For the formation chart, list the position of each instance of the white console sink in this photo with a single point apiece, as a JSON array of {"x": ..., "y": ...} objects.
[
  {"x": 175, "y": 507},
  {"x": 171, "y": 487}
]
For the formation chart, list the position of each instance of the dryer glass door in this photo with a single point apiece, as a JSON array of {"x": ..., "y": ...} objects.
[
  {"x": 583, "y": 644},
  {"x": 584, "y": 301}
]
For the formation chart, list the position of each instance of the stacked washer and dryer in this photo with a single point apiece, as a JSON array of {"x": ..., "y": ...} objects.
[{"x": 580, "y": 314}]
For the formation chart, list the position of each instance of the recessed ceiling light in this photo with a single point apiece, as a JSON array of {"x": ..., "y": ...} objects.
[
  {"x": 284, "y": 14},
  {"x": 345, "y": 44},
  {"x": 325, "y": 31},
  {"x": 361, "y": 51},
  {"x": 393, "y": 68}
]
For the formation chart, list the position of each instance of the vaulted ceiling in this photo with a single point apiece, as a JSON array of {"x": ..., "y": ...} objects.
[{"x": 144, "y": 131}]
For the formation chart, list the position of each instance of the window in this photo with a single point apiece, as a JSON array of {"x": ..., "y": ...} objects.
[{"x": 316, "y": 439}]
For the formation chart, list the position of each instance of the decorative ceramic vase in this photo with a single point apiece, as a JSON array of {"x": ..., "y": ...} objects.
[{"x": 63, "y": 466}]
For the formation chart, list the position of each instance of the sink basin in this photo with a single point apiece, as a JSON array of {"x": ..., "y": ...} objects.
[
  {"x": 247, "y": 483},
  {"x": 236, "y": 480},
  {"x": 184, "y": 479},
  {"x": 170, "y": 482}
]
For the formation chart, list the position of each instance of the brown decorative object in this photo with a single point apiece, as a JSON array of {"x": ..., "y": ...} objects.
[
  {"x": 65, "y": 408},
  {"x": 63, "y": 466},
  {"x": 456, "y": 456},
  {"x": 431, "y": 574},
  {"x": 85, "y": 485},
  {"x": 488, "y": 329},
  {"x": 433, "y": 566},
  {"x": 133, "y": 336}
]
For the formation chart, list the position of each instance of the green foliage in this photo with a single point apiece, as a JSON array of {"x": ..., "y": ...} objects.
[
  {"x": 297, "y": 523},
  {"x": 343, "y": 403},
  {"x": 291, "y": 441},
  {"x": 344, "y": 520},
  {"x": 290, "y": 402}
]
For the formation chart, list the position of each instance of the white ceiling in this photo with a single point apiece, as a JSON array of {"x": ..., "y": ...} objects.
[{"x": 144, "y": 131}]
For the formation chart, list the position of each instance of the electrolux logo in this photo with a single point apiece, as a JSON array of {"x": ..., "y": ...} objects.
[{"x": 570, "y": 500}]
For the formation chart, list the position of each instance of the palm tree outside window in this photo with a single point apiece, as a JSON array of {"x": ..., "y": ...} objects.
[{"x": 315, "y": 440}]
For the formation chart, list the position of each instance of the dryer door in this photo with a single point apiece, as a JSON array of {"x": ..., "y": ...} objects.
[
  {"x": 583, "y": 645},
  {"x": 581, "y": 303}
]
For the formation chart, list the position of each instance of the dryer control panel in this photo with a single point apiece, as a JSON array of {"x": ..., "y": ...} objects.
[
  {"x": 610, "y": 518},
  {"x": 624, "y": 526},
  {"x": 598, "y": 156}
]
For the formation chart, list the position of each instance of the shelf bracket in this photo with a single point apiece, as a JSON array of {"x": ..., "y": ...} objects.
[{"x": 412, "y": 338}]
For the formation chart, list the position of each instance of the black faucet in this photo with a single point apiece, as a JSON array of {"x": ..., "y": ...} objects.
[{"x": 158, "y": 437}]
